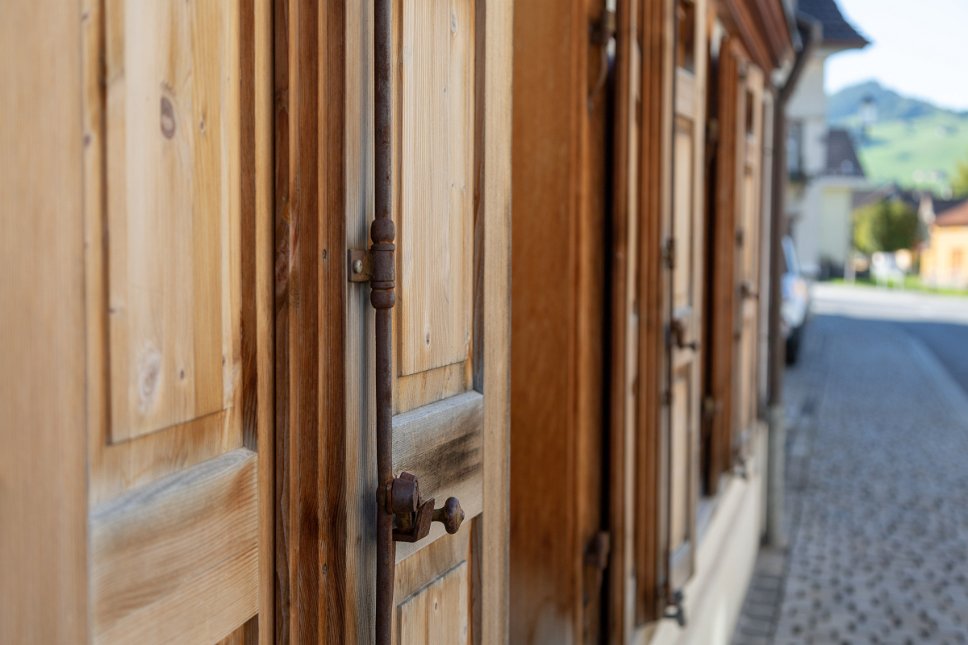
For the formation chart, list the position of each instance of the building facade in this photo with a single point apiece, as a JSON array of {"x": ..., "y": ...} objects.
[
  {"x": 395, "y": 322},
  {"x": 824, "y": 169}
]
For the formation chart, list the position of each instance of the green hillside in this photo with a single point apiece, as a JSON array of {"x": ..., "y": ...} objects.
[{"x": 913, "y": 143}]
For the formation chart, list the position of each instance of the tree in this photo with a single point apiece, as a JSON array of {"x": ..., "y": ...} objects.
[
  {"x": 889, "y": 225},
  {"x": 959, "y": 183}
]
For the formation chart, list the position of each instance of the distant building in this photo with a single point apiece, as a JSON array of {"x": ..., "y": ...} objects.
[
  {"x": 944, "y": 258},
  {"x": 822, "y": 162}
]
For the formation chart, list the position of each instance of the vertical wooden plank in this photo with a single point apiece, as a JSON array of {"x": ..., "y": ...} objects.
[
  {"x": 333, "y": 467},
  {"x": 360, "y": 445},
  {"x": 496, "y": 65},
  {"x": 261, "y": 35},
  {"x": 545, "y": 151},
  {"x": 43, "y": 492},
  {"x": 721, "y": 301},
  {"x": 651, "y": 491},
  {"x": 297, "y": 310}
]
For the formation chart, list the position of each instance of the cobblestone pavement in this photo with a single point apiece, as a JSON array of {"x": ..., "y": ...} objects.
[{"x": 877, "y": 488}]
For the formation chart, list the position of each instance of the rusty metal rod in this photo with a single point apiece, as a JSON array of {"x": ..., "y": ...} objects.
[{"x": 382, "y": 298}]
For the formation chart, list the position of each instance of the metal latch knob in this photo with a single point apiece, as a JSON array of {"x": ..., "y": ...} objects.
[{"x": 413, "y": 515}]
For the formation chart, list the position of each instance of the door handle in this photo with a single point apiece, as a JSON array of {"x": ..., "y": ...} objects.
[{"x": 402, "y": 514}]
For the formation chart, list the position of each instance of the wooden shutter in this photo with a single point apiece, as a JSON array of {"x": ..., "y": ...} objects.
[
  {"x": 557, "y": 378},
  {"x": 658, "y": 225},
  {"x": 628, "y": 194},
  {"x": 748, "y": 260},
  {"x": 730, "y": 149},
  {"x": 451, "y": 103},
  {"x": 178, "y": 291},
  {"x": 685, "y": 291}
]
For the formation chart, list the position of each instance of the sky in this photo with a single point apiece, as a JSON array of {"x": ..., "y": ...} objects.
[{"x": 919, "y": 48}]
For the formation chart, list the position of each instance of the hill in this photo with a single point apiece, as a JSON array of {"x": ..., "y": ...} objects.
[{"x": 912, "y": 142}]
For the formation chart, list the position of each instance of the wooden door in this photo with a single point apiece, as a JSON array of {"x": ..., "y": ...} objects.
[
  {"x": 451, "y": 71},
  {"x": 685, "y": 260},
  {"x": 747, "y": 269},
  {"x": 178, "y": 244}
]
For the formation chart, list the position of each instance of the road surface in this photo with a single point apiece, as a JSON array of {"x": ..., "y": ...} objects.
[{"x": 877, "y": 478}]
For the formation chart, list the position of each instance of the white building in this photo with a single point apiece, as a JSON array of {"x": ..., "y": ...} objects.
[{"x": 823, "y": 166}]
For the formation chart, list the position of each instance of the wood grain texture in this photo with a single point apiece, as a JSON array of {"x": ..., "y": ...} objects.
[
  {"x": 651, "y": 489},
  {"x": 494, "y": 47},
  {"x": 43, "y": 495},
  {"x": 722, "y": 294},
  {"x": 299, "y": 230},
  {"x": 557, "y": 380},
  {"x": 441, "y": 444},
  {"x": 172, "y": 207},
  {"x": 333, "y": 466},
  {"x": 359, "y": 495},
  {"x": 178, "y": 560},
  {"x": 438, "y": 613},
  {"x": 624, "y": 331},
  {"x": 441, "y": 425},
  {"x": 260, "y": 362},
  {"x": 434, "y": 128}
]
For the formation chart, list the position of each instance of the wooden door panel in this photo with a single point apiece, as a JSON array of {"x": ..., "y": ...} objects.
[
  {"x": 438, "y": 613},
  {"x": 171, "y": 182},
  {"x": 177, "y": 288},
  {"x": 434, "y": 212},
  {"x": 177, "y": 560},
  {"x": 683, "y": 226}
]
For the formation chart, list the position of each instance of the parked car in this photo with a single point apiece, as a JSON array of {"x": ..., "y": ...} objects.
[{"x": 796, "y": 302}]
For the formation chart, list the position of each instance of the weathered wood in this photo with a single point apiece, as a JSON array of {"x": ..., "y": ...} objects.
[
  {"x": 360, "y": 439},
  {"x": 651, "y": 488},
  {"x": 172, "y": 209},
  {"x": 445, "y": 414},
  {"x": 624, "y": 332},
  {"x": 247, "y": 634},
  {"x": 688, "y": 232},
  {"x": 297, "y": 319},
  {"x": 438, "y": 613},
  {"x": 43, "y": 495},
  {"x": 260, "y": 321},
  {"x": 332, "y": 331},
  {"x": 494, "y": 207},
  {"x": 178, "y": 560},
  {"x": 435, "y": 181},
  {"x": 558, "y": 351},
  {"x": 721, "y": 271}
]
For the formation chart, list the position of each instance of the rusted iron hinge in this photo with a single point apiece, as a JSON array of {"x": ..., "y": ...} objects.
[
  {"x": 669, "y": 253},
  {"x": 711, "y": 407},
  {"x": 598, "y": 550},
  {"x": 596, "y": 558},
  {"x": 675, "y": 610},
  {"x": 602, "y": 29},
  {"x": 359, "y": 265}
]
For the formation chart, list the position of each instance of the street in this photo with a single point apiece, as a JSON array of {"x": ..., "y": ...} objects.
[{"x": 877, "y": 483}]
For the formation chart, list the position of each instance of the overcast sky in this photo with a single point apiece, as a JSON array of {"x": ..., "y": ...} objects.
[{"x": 920, "y": 49}]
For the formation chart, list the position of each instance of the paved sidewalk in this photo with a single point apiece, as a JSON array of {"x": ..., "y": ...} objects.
[{"x": 877, "y": 486}]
